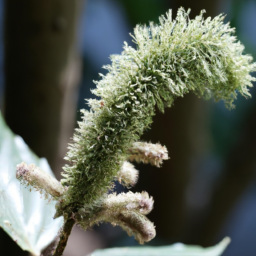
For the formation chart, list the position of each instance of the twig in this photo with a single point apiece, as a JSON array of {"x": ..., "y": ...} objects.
[{"x": 65, "y": 232}]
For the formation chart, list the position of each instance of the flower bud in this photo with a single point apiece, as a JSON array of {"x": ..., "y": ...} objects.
[
  {"x": 148, "y": 153},
  {"x": 128, "y": 175},
  {"x": 39, "y": 180}
]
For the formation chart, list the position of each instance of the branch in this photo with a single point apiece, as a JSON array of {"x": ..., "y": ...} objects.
[{"x": 64, "y": 235}]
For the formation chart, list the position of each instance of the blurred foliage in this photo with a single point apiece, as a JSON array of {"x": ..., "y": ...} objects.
[
  {"x": 26, "y": 217},
  {"x": 171, "y": 250},
  {"x": 143, "y": 11},
  {"x": 226, "y": 126}
]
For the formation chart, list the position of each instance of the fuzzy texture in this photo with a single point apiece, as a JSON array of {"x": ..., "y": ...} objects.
[
  {"x": 128, "y": 175},
  {"x": 126, "y": 210},
  {"x": 148, "y": 153},
  {"x": 133, "y": 222},
  {"x": 140, "y": 202},
  {"x": 31, "y": 175},
  {"x": 172, "y": 58}
]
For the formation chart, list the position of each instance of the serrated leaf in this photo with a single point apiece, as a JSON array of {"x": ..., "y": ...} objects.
[
  {"x": 178, "y": 249},
  {"x": 24, "y": 215}
]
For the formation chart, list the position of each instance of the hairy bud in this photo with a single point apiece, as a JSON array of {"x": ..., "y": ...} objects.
[
  {"x": 140, "y": 202},
  {"x": 126, "y": 210},
  {"x": 128, "y": 175},
  {"x": 33, "y": 176},
  {"x": 148, "y": 153},
  {"x": 135, "y": 224}
]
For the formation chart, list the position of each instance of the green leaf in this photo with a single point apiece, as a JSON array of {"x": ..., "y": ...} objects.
[
  {"x": 24, "y": 215},
  {"x": 171, "y": 250}
]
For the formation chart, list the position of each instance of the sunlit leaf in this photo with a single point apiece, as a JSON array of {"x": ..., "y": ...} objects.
[
  {"x": 171, "y": 250},
  {"x": 24, "y": 215}
]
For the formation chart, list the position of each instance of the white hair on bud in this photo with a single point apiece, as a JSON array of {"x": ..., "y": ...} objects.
[
  {"x": 148, "y": 153},
  {"x": 133, "y": 222},
  {"x": 33, "y": 176},
  {"x": 136, "y": 224},
  {"x": 140, "y": 202},
  {"x": 128, "y": 175}
]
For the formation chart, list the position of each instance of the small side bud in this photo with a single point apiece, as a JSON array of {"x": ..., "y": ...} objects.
[
  {"x": 128, "y": 175},
  {"x": 127, "y": 210},
  {"x": 148, "y": 153},
  {"x": 140, "y": 202},
  {"x": 39, "y": 180},
  {"x": 136, "y": 224},
  {"x": 133, "y": 222}
]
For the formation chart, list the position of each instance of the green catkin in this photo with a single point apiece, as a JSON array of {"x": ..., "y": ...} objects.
[{"x": 172, "y": 58}]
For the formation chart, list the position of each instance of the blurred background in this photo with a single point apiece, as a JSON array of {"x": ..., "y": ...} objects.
[{"x": 50, "y": 51}]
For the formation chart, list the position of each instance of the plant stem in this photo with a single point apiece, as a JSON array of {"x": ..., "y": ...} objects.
[{"x": 65, "y": 232}]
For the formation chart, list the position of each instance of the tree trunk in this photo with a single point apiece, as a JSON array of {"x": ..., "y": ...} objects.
[{"x": 42, "y": 70}]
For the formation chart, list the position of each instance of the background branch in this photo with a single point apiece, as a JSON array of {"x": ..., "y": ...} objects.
[{"x": 42, "y": 70}]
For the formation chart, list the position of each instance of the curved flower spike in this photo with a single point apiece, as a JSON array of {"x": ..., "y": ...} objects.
[{"x": 170, "y": 59}]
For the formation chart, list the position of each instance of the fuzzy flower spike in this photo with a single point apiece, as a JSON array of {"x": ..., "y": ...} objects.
[
  {"x": 177, "y": 56},
  {"x": 171, "y": 59}
]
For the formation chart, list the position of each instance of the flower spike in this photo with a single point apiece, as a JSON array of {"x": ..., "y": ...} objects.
[{"x": 172, "y": 58}]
